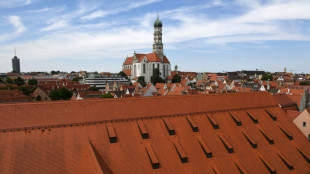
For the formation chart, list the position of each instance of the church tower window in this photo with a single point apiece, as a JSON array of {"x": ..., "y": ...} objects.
[{"x": 143, "y": 68}]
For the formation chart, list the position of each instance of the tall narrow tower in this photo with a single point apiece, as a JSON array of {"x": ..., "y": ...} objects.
[
  {"x": 158, "y": 46},
  {"x": 15, "y": 63}
]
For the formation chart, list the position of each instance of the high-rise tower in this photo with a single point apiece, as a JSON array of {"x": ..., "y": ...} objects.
[
  {"x": 15, "y": 63},
  {"x": 158, "y": 46}
]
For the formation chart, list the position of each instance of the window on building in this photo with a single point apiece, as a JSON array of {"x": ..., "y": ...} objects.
[
  {"x": 304, "y": 124},
  {"x": 164, "y": 71},
  {"x": 143, "y": 68}
]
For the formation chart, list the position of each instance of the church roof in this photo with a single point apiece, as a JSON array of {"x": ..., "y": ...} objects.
[
  {"x": 127, "y": 72},
  {"x": 222, "y": 133},
  {"x": 151, "y": 57}
]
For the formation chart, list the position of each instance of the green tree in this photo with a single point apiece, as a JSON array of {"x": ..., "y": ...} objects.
[
  {"x": 60, "y": 94},
  {"x": 1, "y": 81},
  {"x": 65, "y": 94},
  {"x": 9, "y": 81},
  {"x": 7, "y": 87},
  {"x": 27, "y": 90},
  {"x": 107, "y": 95},
  {"x": 55, "y": 72},
  {"x": 304, "y": 83},
  {"x": 76, "y": 79},
  {"x": 141, "y": 81},
  {"x": 156, "y": 77},
  {"x": 32, "y": 82},
  {"x": 176, "y": 79},
  {"x": 121, "y": 73},
  {"x": 94, "y": 88},
  {"x": 19, "y": 81},
  {"x": 267, "y": 77},
  {"x": 55, "y": 95}
]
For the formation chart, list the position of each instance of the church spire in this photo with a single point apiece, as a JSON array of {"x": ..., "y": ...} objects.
[{"x": 158, "y": 45}]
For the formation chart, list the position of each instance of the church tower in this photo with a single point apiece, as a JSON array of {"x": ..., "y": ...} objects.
[{"x": 158, "y": 46}]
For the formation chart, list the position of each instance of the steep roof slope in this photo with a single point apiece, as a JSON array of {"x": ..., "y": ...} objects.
[{"x": 231, "y": 133}]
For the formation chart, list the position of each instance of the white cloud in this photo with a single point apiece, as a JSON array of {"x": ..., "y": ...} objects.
[
  {"x": 19, "y": 28},
  {"x": 13, "y": 3},
  {"x": 101, "y": 13},
  {"x": 55, "y": 25},
  {"x": 15, "y": 20},
  {"x": 261, "y": 22}
]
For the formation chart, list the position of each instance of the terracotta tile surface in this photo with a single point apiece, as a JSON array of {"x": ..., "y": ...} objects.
[{"x": 72, "y": 137}]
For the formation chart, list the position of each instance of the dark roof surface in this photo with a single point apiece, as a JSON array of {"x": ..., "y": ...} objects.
[{"x": 179, "y": 134}]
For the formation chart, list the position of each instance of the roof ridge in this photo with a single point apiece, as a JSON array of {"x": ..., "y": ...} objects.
[{"x": 72, "y": 124}]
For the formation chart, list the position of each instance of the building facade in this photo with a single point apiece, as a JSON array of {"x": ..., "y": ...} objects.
[
  {"x": 144, "y": 64},
  {"x": 100, "y": 81},
  {"x": 15, "y": 64}
]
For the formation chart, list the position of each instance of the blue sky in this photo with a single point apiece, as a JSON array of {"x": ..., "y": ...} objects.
[{"x": 199, "y": 35}]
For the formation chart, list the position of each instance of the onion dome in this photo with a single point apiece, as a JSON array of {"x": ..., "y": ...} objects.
[{"x": 158, "y": 23}]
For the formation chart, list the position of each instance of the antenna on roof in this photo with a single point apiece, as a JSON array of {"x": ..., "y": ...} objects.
[{"x": 15, "y": 51}]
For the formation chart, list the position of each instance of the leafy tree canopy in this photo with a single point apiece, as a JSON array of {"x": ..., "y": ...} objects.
[
  {"x": 76, "y": 79},
  {"x": 60, "y": 94},
  {"x": 141, "y": 81},
  {"x": 121, "y": 73},
  {"x": 107, "y": 95},
  {"x": 7, "y": 87},
  {"x": 176, "y": 79},
  {"x": 55, "y": 72},
  {"x": 267, "y": 77},
  {"x": 304, "y": 83},
  {"x": 19, "y": 81},
  {"x": 32, "y": 82},
  {"x": 9, "y": 81},
  {"x": 156, "y": 77},
  {"x": 94, "y": 88},
  {"x": 27, "y": 90}
]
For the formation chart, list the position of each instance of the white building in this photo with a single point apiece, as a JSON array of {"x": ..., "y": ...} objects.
[{"x": 144, "y": 64}]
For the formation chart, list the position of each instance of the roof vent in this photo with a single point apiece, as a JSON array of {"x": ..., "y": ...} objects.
[
  {"x": 192, "y": 123},
  {"x": 111, "y": 132},
  {"x": 286, "y": 161},
  {"x": 169, "y": 126},
  {"x": 152, "y": 156},
  {"x": 142, "y": 128},
  {"x": 270, "y": 168},
  {"x": 240, "y": 167},
  {"x": 204, "y": 147},
  {"x": 250, "y": 140},
  {"x": 227, "y": 145},
  {"x": 304, "y": 154},
  {"x": 253, "y": 118},
  {"x": 235, "y": 118},
  {"x": 267, "y": 136},
  {"x": 181, "y": 152},
  {"x": 272, "y": 116},
  {"x": 286, "y": 132},
  {"x": 213, "y": 122}
]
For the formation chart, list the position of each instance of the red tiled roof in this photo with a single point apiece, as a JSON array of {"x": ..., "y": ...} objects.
[
  {"x": 151, "y": 57},
  {"x": 283, "y": 100},
  {"x": 176, "y": 134},
  {"x": 292, "y": 114},
  {"x": 127, "y": 72},
  {"x": 128, "y": 61}
]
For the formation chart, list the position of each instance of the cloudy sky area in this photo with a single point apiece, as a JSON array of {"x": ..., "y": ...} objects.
[{"x": 200, "y": 35}]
